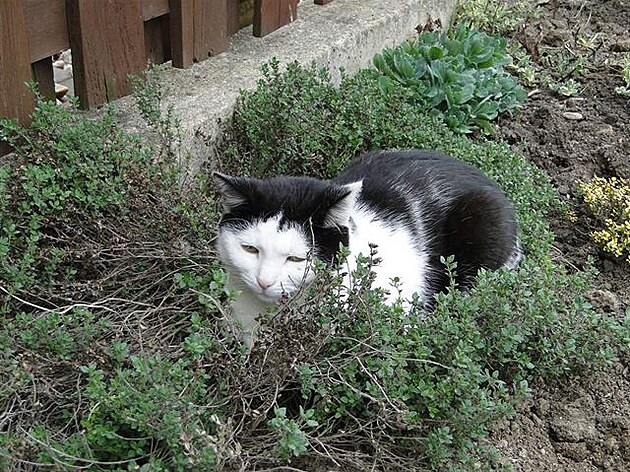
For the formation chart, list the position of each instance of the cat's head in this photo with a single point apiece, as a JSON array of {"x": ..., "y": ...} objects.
[{"x": 272, "y": 229}]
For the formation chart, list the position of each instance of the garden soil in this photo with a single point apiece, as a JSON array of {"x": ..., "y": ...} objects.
[{"x": 583, "y": 424}]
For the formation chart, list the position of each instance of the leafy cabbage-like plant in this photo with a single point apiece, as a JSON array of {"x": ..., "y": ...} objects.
[{"x": 459, "y": 78}]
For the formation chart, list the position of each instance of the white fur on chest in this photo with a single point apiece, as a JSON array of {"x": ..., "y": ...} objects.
[{"x": 398, "y": 251}]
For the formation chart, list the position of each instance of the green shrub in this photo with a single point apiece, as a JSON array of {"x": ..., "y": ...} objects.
[
  {"x": 292, "y": 441},
  {"x": 116, "y": 404},
  {"x": 54, "y": 334},
  {"x": 437, "y": 383},
  {"x": 459, "y": 78},
  {"x": 103, "y": 329},
  {"x": 141, "y": 406},
  {"x": 66, "y": 169},
  {"x": 290, "y": 114}
]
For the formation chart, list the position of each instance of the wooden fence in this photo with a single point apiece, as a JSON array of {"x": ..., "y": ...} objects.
[{"x": 111, "y": 39}]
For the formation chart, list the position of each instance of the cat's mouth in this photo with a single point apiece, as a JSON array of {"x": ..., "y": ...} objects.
[
  {"x": 269, "y": 298},
  {"x": 272, "y": 297}
]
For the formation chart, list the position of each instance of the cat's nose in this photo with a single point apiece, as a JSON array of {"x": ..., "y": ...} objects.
[{"x": 264, "y": 284}]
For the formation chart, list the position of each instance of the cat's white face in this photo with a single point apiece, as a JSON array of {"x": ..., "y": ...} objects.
[{"x": 267, "y": 259}]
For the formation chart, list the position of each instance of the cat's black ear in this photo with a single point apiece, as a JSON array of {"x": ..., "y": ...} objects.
[
  {"x": 339, "y": 213},
  {"x": 232, "y": 189}
]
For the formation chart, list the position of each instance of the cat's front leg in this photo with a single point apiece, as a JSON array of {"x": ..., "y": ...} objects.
[{"x": 245, "y": 311}]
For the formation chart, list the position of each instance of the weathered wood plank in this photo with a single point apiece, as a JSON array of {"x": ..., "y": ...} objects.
[
  {"x": 211, "y": 28},
  {"x": 154, "y": 8},
  {"x": 107, "y": 41},
  {"x": 157, "y": 39},
  {"x": 269, "y": 15},
  {"x": 198, "y": 30},
  {"x": 233, "y": 16},
  {"x": 43, "y": 75},
  {"x": 47, "y": 27},
  {"x": 16, "y": 101},
  {"x": 182, "y": 32}
]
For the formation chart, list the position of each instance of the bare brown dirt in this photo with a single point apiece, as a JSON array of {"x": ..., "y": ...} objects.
[{"x": 583, "y": 424}]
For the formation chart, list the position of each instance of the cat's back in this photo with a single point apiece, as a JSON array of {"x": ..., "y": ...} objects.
[
  {"x": 412, "y": 170},
  {"x": 399, "y": 185}
]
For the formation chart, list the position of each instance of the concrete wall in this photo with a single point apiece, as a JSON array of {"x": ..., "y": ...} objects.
[{"x": 343, "y": 34}]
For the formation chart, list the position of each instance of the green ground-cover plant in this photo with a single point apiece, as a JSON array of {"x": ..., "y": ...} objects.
[
  {"x": 435, "y": 384},
  {"x": 458, "y": 77},
  {"x": 100, "y": 250},
  {"x": 149, "y": 94},
  {"x": 125, "y": 363},
  {"x": 62, "y": 171},
  {"x": 608, "y": 200}
]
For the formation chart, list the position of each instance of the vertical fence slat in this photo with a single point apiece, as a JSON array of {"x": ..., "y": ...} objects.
[
  {"x": 107, "y": 41},
  {"x": 182, "y": 32},
  {"x": 43, "y": 75},
  {"x": 199, "y": 29},
  {"x": 269, "y": 15},
  {"x": 16, "y": 101},
  {"x": 233, "y": 17},
  {"x": 210, "y": 23}
]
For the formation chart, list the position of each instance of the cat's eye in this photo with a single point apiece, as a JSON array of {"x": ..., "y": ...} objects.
[
  {"x": 249, "y": 248},
  {"x": 295, "y": 259}
]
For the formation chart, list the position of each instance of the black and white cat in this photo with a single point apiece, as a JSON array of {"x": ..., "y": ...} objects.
[{"x": 415, "y": 206}]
